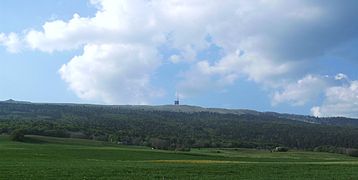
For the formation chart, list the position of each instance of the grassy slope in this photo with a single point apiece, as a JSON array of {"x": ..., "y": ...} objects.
[{"x": 44, "y": 158}]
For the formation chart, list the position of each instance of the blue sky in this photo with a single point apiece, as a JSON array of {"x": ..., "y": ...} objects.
[
  {"x": 33, "y": 76},
  {"x": 295, "y": 57}
]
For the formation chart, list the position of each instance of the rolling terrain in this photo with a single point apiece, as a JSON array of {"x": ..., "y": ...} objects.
[
  {"x": 339, "y": 121},
  {"x": 41, "y": 157},
  {"x": 177, "y": 127},
  {"x": 80, "y": 141}
]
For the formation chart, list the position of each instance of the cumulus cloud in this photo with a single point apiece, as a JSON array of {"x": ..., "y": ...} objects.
[
  {"x": 113, "y": 73},
  {"x": 339, "y": 101},
  {"x": 280, "y": 39},
  {"x": 272, "y": 43},
  {"x": 304, "y": 90},
  {"x": 341, "y": 76},
  {"x": 226, "y": 71},
  {"x": 340, "y": 95},
  {"x": 12, "y": 42}
]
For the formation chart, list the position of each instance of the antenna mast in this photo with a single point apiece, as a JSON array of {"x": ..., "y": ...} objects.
[{"x": 176, "y": 102}]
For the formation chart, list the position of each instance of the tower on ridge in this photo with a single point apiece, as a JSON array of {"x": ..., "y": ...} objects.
[{"x": 176, "y": 102}]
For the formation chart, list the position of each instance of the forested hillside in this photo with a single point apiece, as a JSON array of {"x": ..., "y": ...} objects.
[{"x": 171, "y": 127}]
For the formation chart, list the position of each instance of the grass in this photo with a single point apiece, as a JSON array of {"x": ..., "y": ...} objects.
[{"x": 57, "y": 158}]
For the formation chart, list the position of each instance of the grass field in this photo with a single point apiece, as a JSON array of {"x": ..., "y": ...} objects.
[{"x": 49, "y": 158}]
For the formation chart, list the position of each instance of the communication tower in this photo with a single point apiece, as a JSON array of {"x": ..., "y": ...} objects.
[{"x": 176, "y": 102}]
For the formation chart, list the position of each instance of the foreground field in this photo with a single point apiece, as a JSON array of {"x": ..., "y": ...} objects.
[{"x": 46, "y": 158}]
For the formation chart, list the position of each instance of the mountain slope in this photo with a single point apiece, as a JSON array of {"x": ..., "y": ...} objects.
[{"x": 173, "y": 127}]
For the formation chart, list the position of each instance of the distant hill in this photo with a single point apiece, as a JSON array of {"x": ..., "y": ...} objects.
[
  {"x": 13, "y": 101},
  {"x": 337, "y": 121},
  {"x": 177, "y": 127}
]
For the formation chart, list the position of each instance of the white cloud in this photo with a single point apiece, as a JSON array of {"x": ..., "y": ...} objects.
[
  {"x": 12, "y": 42},
  {"x": 316, "y": 111},
  {"x": 340, "y": 95},
  {"x": 341, "y": 76},
  {"x": 226, "y": 71},
  {"x": 280, "y": 39},
  {"x": 339, "y": 101},
  {"x": 113, "y": 73},
  {"x": 203, "y": 75},
  {"x": 304, "y": 90}
]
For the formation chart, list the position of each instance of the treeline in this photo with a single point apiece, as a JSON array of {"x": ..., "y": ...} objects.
[
  {"x": 340, "y": 150},
  {"x": 170, "y": 130}
]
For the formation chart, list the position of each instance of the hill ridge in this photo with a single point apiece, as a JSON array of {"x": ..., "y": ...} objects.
[{"x": 340, "y": 121}]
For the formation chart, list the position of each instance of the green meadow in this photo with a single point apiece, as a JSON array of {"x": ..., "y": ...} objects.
[{"x": 57, "y": 158}]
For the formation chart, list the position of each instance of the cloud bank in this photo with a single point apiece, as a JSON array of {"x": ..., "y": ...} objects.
[{"x": 273, "y": 43}]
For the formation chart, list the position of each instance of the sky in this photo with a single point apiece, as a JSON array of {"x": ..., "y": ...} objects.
[{"x": 296, "y": 56}]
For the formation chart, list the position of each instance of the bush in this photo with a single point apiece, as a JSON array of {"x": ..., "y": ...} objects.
[
  {"x": 158, "y": 143},
  {"x": 330, "y": 149},
  {"x": 17, "y": 135},
  {"x": 338, "y": 150}
]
